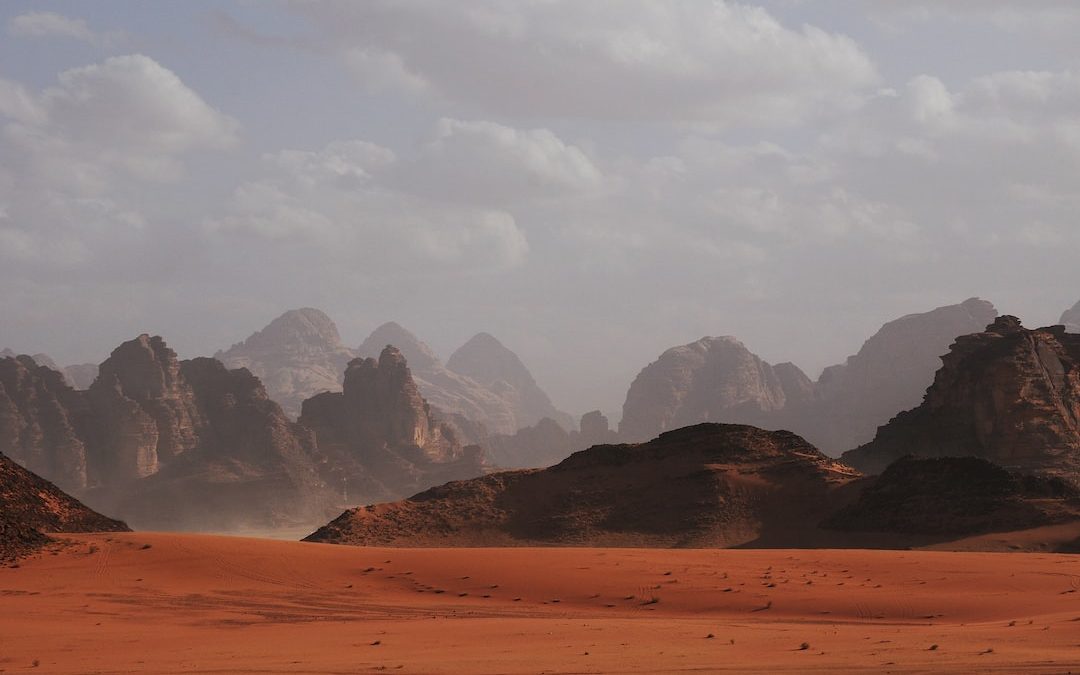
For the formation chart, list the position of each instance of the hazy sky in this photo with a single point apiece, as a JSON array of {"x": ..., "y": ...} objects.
[{"x": 592, "y": 182}]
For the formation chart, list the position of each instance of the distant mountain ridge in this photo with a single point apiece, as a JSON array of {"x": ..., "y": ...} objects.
[{"x": 720, "y": 380}]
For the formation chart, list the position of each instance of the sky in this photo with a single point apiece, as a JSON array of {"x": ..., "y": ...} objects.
[{"x": 592, "y": 182}]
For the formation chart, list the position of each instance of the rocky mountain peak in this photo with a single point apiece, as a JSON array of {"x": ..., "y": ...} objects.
[
  {"x": 420, "y": 356},
  {"x": 1071, "y": 319},
  {"x": 307, "y": 326}
]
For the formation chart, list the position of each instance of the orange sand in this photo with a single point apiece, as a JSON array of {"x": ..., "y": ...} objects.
[{"x": 109, "y": 603}]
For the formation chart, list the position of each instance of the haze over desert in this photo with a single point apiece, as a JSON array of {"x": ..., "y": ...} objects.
[{"x": 540, "y": 336}]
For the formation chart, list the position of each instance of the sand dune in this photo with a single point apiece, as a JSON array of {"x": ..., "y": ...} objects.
[{"x": 168, "y": 603}]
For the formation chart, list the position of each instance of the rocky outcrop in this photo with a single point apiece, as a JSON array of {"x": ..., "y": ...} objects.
[
  {"x": 30, "y": 506},
  {"x": 706, "y": 485},
  {"x": 443, "y": 388},
  {"x": 543, "y": 444},
  {"x": 379, "y": 437},
  {"x": 299, "y": 354},
  {"x": 1008, "y": 394},
  {"x": 1071, "y": 319},
  {"x": 43, "y": 422},
  {"x": 957, "y": 496},
  {"x": 593, "y": 430},
  {"x": 716, "y": 379},
  {"x": 484, "y": 359}
]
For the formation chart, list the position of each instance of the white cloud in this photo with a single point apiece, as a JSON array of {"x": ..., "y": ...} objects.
[
  {"x": 81, "y": 157},
  {"x": 706, "y": 63},
  {"x": 51, "y": 24},
  {"x": 343, "y": 205}
]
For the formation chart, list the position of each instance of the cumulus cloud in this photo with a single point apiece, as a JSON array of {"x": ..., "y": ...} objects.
[
  {"x": 53, "y": 25},
  {"x": 345, "y": 204},
  {"x": 706, "y": 63},
  {"x": 78, "y": 156}
]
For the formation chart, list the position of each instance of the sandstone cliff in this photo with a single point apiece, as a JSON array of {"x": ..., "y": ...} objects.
[
  {"x": 299, "y": 354},
  {"x": 379, "y": 437},
  {"x": 31, "y": 506},
  {"x": 707, "y": 485},
  {"x": 716, "y": 379},
  {"x": 43, "y": 422},
  {"x": 1008, "y": 394},
  {"x": 443, "y": 388}
]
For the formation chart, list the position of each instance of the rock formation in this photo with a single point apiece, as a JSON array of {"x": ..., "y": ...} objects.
[
  {"x": 1009, "y": 395},
  {"x": 888, "y": 375},
  {"x": 30, "y": 506},
  {"x": 43, "y": 422},
  {"x": 715, "y": 379},
  {"x": 445, "y": 390},
  {"x": 379, "y": 437},
  {"x": 706, "y": 485},
  {"x": 487, "y": 361},
  {"x": 1071, "y": 319},
  {"x": 719, "y": 380},
  {"x": 954, "y": 496},
  {"x": 299, "y": 354}
]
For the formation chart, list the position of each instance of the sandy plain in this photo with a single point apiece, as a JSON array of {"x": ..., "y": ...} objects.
[{"x": 172, "y": 603}]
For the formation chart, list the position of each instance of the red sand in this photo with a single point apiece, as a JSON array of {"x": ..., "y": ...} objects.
[{"x": 109, "y": 603}]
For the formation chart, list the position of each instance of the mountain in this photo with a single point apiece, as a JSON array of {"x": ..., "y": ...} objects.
[
  {"x": 957, "y": 496},
  {"x": 444, "y": 389},
  {"x": 1008, "y": 394},
  {"x": 720, "y": 380},
  {"x": 1071, "y": 319},
  {"x": 888, "y": 375},
  {"x": 297, "y": 355},
  {"x": 706, "y": 485},
  {"x": 31, "y": 506},
  {"x": 716, "y": 379},
  {"x": 380, "y": 438},
  {"x": 43, "y": 422},
  {"x": 487, "y": 361}
]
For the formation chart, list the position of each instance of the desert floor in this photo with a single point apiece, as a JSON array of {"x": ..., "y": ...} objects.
[{"x": 166, "y": 603}]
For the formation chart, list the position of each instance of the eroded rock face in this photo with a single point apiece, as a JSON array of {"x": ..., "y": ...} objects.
[
  {"x": 299, "y": 354},
  {"x": 716, "y": 379},
  {"x": 706, "y": 485},
  {"x": 1008, "y": 394},
  {"x": 31, "y": 506},
  {"x": 379, "y": 436},
  {"x": 443, "y": 388},
  {"x": 484, "y": 359},
  {"x": 43, "y": 422}
]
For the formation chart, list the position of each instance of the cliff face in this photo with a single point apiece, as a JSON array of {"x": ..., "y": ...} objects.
[
  {"x": 707, "y": 485},
  {"x": 43, "y": 422},
  {"x": 380, "y": 438},
  {"x": 444, "y": 389},
  {"x": 484, "y": 359},
  {"x": 1008, "y": 394},
  {"x": 31, "y": 506},
  {"x": 299, "y": 354},
  {"x": 711, "y": 380}
]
